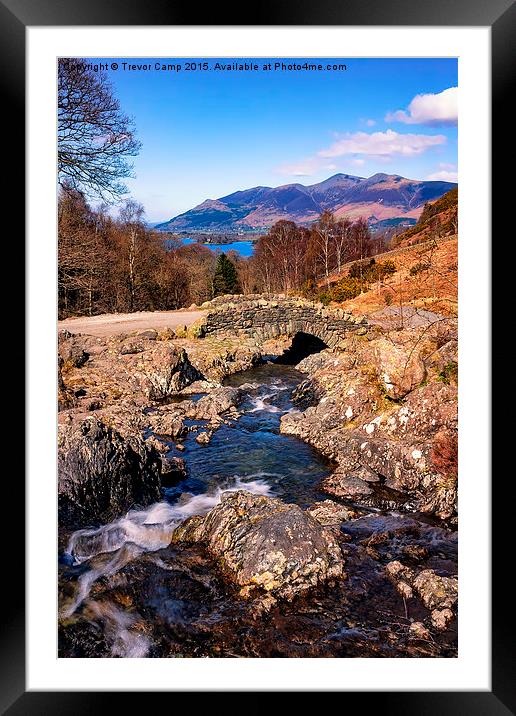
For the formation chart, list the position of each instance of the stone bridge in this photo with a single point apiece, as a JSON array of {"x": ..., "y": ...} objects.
[{"x": 269, "y": 317}]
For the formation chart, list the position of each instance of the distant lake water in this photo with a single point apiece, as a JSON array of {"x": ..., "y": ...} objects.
[{"x": 244, "y": 248}]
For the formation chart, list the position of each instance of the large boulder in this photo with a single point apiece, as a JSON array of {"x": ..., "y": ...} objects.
[
  {"x": 165, "y": 370},
  {"x": 101, "y": 475},
  {"x": 219, "y": 357},
  {"x": 265, "y": 545},
  {"x": 400, "y": 368},
  {"x": 216, "y": 402},
  {"x": 72, "y": 349}
]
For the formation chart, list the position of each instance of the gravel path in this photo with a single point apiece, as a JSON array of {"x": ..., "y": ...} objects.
[{"x": 110, "y": 324}]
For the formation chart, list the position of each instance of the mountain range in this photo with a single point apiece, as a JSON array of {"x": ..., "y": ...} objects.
[{"x": 377, "y": 198}]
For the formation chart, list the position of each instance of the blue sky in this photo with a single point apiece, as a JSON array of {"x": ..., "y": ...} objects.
[{"x": 209, "y": 133}]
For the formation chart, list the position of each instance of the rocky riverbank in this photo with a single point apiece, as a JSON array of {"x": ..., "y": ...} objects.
[
  {"x": 384, "y": 407},
  {"x": 370, "y": 572},
  {"x": 114, "y": 403}
]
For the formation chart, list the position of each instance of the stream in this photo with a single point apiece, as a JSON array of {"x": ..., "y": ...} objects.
[{"x": 125, "y": 591}]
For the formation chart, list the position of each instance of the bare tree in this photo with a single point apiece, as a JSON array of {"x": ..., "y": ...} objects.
[
  {"x": 322, "y": 237},
  {"x": 131, "y": 218},
  {"x": 342, "y": 242},
  {"x": 81, "y": 255},
  {"x": 94, "y": 136}
]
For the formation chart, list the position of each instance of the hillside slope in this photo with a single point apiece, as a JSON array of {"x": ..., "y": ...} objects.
[
  {"x": 425, "y": 277},
  {"x": 438, "y": 218}
]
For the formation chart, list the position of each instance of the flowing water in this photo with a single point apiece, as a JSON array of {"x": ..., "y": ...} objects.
[{"x": 126, "y": 592}]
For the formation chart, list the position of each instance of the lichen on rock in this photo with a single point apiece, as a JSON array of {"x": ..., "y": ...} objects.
[{"x": 265, "y": 545}]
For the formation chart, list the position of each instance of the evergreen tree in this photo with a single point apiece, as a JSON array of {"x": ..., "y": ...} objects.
[{"x": 225, "y": 278}]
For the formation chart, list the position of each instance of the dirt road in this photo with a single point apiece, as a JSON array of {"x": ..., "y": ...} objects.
[{"x": 109, "y": 324}]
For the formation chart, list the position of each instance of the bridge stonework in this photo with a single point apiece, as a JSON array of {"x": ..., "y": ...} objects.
[{"x": 263, "y": 318}]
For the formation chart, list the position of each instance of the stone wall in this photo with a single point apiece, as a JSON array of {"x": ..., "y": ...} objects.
[{"x": 270, "y": 317}]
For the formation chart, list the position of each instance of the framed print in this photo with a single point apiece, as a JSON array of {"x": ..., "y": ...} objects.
[{"x": 258, "y": 354}]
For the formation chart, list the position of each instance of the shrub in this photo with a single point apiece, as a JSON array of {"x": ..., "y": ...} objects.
[
  {"x": 371, "y": 271},
  {"x": 346, "y": 289},
  {"x": 445, "y": 454},
  {"x": 325, "y": 297},
  {"x": 360, "y": 269},
  {"x": 309, "y": 289},
  {"x": 384, "y": 268},
  {"x": 417, "y": 268}
]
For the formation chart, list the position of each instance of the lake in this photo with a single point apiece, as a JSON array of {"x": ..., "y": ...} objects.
[{"x": 244, "y": 248}]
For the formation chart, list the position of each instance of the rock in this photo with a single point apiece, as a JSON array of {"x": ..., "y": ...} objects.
[
  {"x": 265, "y": 545},
  {"x": 414, "y": 552},
  {"x": 441, "y": 618},
  {"x": 331, "y": 514},
  {"x": 65, "y": 396},
  {"x": 173, "y": 470},
  {"x": 217, "y": 358},
  {"x": 102, "y": 475},
  {"x": 218, "y": 401},
  {"x": 400, "y": 368},
  {"x": 150, "y": 335},
  {"x": 165, "y": 370},
  {"x": 197, "y": 329},
  {"x": 397, "y": 571},
  {"x": 157, "y": 444},
  {"x": 426, "y": 411},
  {"x": 399, "y": 447},
  {"x": 393, "y": 317},
  {"x": 131, "y": 346},
  {"x": 404, "y": 589},
  {"x": 443, "y": 359},
  {"x": 166, "y": 334},
  {"x": 436, "y": 592},
  {"x": 199, "y": 386},
  {"x": 419, "y": 630},
  {"x": 203, "y": 438},
  {"x": 168, "y": 420},
  {"x": 71, "y": 349},
  {"x": 348, "y": 486}
]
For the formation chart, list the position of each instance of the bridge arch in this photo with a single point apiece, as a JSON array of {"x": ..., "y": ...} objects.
[
  {"x": 303, "y": 344},
  {"x": 263, "y": 318}
]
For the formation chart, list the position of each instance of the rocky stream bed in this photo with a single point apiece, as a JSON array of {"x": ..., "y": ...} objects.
[{"x": 214, "y": 503}]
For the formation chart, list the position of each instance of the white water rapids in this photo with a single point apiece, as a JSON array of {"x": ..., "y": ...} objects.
[
  {"x": 232, "y": 460},
  {"x": 114, "y": 545}
]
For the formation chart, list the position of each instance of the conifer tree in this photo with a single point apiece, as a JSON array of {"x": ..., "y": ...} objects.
[{"x": 225, "y": 278}]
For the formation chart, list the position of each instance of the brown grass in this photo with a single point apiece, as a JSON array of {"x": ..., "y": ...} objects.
[{"x": 433, "y": 288}]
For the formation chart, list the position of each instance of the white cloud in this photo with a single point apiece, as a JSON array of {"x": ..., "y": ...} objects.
[
  {"x": 443, "y": 175},
  {"x": 432, "y": 109},
  {"x": 356, "y": 146},
  {"x": 370, "y": 122},
  {"x": 382, "y": 144},
  {"x": 447, "y": 172}
]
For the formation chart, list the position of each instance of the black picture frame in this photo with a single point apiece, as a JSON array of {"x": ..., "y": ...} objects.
[{"x": 15, "y": 17}]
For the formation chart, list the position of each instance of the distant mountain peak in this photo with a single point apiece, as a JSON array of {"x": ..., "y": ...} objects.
[{"x": 376, "y": 198}]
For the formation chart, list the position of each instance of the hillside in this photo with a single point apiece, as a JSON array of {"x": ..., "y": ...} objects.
[
  {"x": 438, "y": 218},
  {"x": 425, "y": 277},
  {"x": 378, "y": 198}
]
